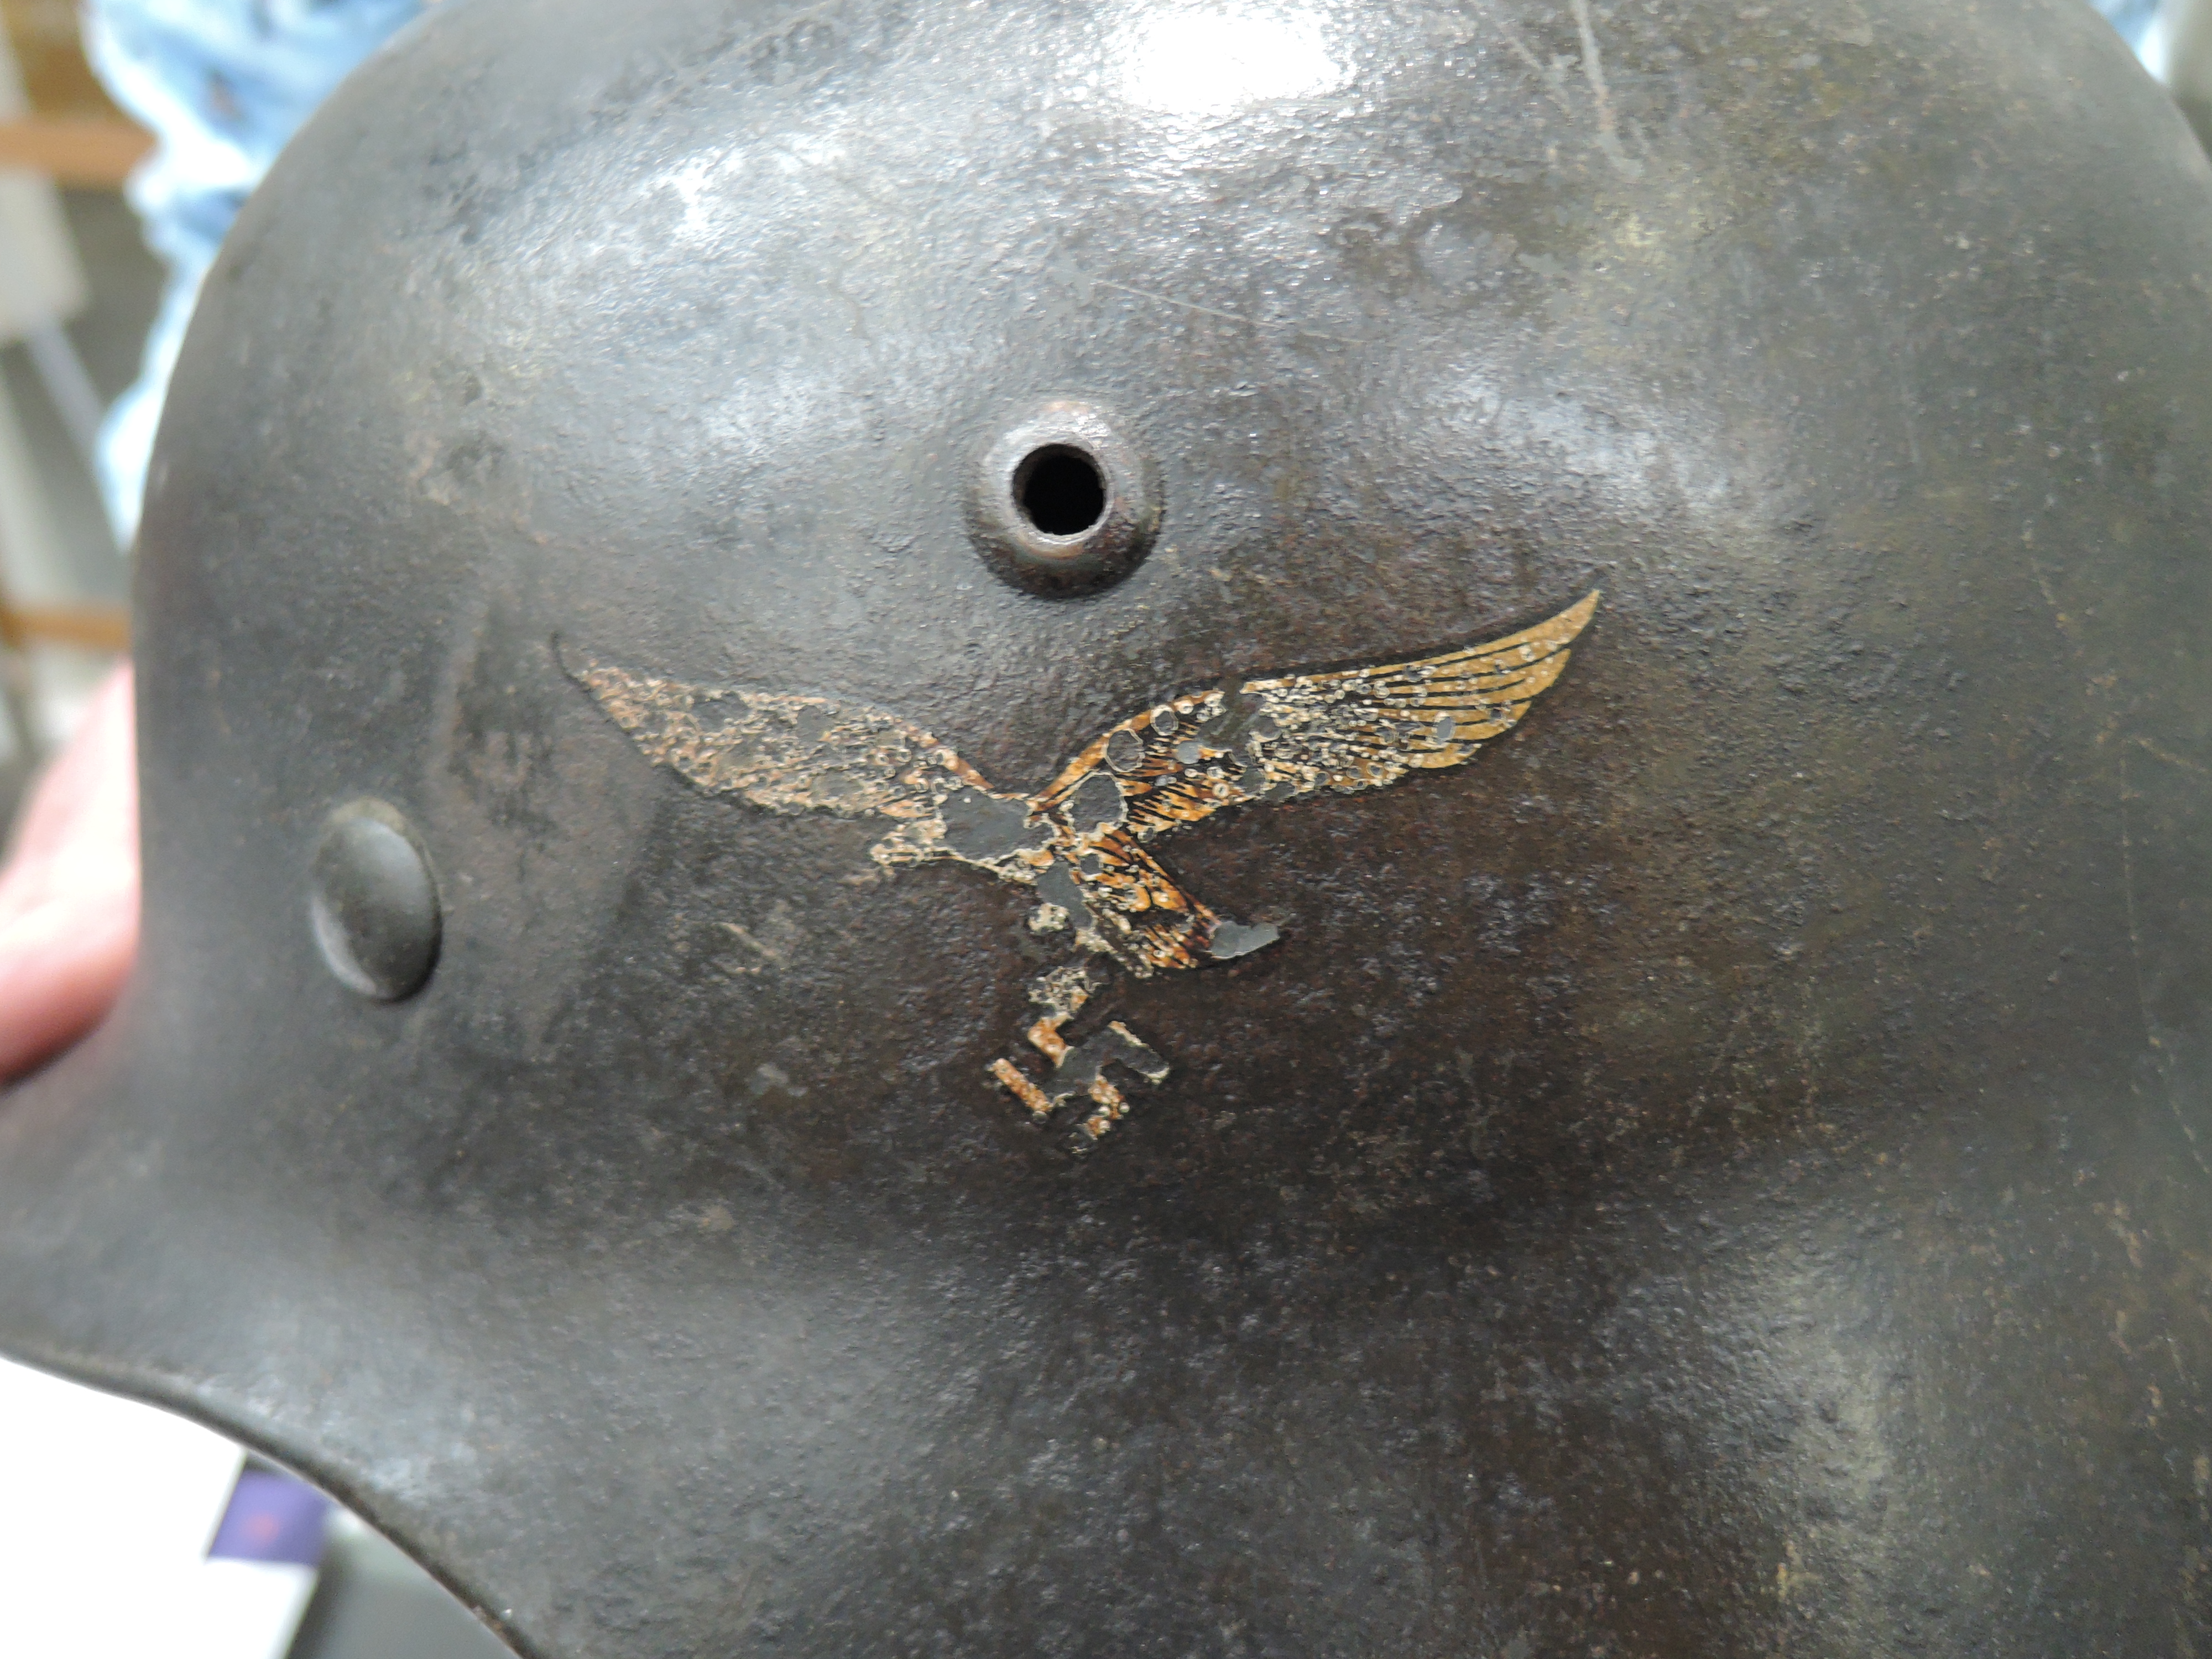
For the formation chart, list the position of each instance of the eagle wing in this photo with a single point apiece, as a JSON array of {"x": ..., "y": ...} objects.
[
  {"x": 1275, "y": 739},
  {"x": 793, "y": 752}
]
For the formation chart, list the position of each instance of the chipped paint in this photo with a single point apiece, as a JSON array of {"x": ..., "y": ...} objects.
[
  {"x": 1081, "y": 842},
  {"x": 1078, "y": 1070}
]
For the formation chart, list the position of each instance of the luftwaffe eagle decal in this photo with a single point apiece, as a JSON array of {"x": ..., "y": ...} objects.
[{"x": 1081, "y": 842}]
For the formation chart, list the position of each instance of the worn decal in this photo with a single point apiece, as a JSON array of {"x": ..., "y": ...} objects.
[
  {"x": 1077, "y": 1069},
  {"x": 1080, "y": 842}
]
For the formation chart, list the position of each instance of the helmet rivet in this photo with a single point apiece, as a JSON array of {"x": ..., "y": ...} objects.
[
  {"x": 1062, "y": 501},
  {"x": 373, "y": 903}
]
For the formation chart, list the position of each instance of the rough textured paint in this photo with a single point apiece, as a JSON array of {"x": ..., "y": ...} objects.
[{"x": 1081, "y": 841}]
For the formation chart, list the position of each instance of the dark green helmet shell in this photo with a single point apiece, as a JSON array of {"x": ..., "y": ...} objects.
[{"x": 1726, "y": 1169}]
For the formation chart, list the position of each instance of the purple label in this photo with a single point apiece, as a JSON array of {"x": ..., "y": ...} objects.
[{"x": 271, "y": 1518}]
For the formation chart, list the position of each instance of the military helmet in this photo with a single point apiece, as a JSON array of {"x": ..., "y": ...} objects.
[{"x": 1263, "y": 826}]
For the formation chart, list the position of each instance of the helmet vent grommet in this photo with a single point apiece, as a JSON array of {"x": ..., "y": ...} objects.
[
  {"x": 373, "y": 903},
  {"x": 1063, "y": 501}
]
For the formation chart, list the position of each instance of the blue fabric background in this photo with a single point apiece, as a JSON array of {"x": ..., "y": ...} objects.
[{"x": 221, "y": 85}]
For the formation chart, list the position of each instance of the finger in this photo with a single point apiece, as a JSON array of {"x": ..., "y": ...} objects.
[{"x": 69, "y": 893}]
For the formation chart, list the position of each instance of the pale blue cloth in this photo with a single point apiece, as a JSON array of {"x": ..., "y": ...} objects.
[
  {"x": 223, "y": 84},
  {"x": 2132, "y": 18}
]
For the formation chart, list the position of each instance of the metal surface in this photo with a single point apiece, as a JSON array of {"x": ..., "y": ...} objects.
[
  {"x": 373, "y": 902},
  {"x": 1726, "y": 1173},
  {"x": 1063, "y": 501}
]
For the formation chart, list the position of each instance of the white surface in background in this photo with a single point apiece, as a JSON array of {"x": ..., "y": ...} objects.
[{"x": 106, "y": 1510}]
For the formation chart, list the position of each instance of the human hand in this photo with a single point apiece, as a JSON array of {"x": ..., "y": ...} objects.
[{"x": 69, "y": 890}]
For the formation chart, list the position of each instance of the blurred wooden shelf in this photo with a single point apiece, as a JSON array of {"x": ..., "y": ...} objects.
[
  {"x": 88, "y": 626},
  {"x": 92, "y": 152}
]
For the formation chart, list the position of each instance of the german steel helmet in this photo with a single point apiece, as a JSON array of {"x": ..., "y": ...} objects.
[{"x": 1234, "y": 827}]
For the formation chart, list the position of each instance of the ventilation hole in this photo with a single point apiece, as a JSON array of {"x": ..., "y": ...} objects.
[{"x": 1061, "y": 491}]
